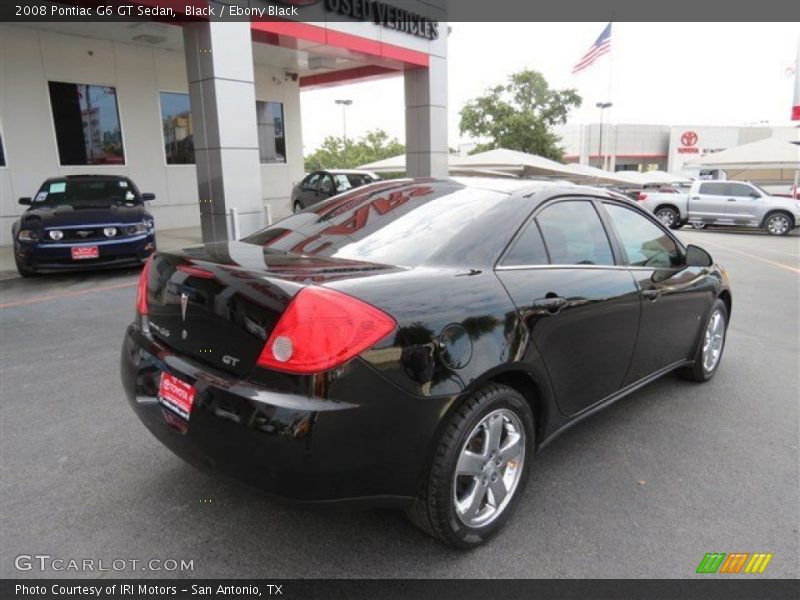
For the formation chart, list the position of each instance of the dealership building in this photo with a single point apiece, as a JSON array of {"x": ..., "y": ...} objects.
[
  {"x": 629, "y": 147},
  {"x": 205, "y": 114}
]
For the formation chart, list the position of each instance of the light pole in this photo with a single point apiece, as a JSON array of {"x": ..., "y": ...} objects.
[
  {"x": 345, "y": 104},
  {"x": 602, "y": 106}
]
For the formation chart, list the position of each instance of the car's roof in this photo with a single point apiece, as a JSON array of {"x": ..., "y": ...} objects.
[
  {"x": 79, "y": 177},
  {"x": 349, "y": 172}
]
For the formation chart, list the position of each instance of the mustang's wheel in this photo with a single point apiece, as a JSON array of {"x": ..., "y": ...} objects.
[
  {"x": 669, "y": 217},
  {"x": 778, "y": 224},
  {"x": 479, "y": 469},
  {"x": 711, "y": 345}
]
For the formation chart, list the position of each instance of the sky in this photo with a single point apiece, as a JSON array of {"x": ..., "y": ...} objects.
[{"x": 661, "y": 73}]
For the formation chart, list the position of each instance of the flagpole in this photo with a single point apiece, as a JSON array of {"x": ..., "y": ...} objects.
[{"x": 610, "y": 102}]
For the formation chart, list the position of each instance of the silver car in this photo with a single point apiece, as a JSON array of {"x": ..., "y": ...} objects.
[{"x": 735, "y": 203}]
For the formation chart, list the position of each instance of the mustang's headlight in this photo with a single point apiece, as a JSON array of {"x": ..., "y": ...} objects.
[
  {"x": 56, "y": 234},
  {"x": 109, "y": 231},
  {"x": 29, "y": 235},
  {"x": 135, "y": 229}
]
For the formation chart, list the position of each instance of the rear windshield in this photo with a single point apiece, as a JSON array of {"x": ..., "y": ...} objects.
[
  {"x": 87, "y": 191},
  {"x": 388, "y": 223}
]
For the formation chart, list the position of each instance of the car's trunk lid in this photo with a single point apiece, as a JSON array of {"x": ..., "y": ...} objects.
[{"x": 218, "y": 303}]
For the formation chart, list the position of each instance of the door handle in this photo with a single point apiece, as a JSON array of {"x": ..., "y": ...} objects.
[
  {"x": 731, "y": 199},
  {"x": 652, "y": 294},
  {"x": 552, "y": 304},
  {"x": 695, "y": 197}
]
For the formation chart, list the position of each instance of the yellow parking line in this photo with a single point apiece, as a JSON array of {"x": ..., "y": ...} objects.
[{"x": 762, "y": 259}]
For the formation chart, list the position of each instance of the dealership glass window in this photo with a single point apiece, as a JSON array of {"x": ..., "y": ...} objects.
[
  {"x": 646, "y": 244},
  {"x": 176, "y": 123},
  {"x": 574, "y": 234},
  {"x": 86, "y": 119},
  {"x": 271, "y": 132}
]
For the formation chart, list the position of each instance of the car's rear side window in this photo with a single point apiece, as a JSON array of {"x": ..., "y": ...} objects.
[
  {"x": 713, "y": 188},
  {"x": 527, "y": 249},
  {"x": 574, "y": 234}
]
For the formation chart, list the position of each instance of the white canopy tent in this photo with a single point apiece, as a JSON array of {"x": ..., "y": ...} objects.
[
  {"x": 501, "y": 161},
  {"x": 773, "y": 159}
]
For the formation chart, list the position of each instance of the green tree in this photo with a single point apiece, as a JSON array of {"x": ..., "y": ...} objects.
[
  {"x": 333, "y": 154},
  {"x": 520, "y": 115}
]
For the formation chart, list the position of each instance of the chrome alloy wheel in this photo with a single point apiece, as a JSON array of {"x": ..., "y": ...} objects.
[
  {"x": 714, "y": 340},
  {"x": 778, "y": 224},
  {"x": 489, "y": 468}
]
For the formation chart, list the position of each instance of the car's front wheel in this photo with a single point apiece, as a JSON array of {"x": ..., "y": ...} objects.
[
  {"x": 479, "y": 469},
  {"x": 298, "y": 207},
  {"x": 709, "y": 352},
  {"x": 23, "y": 270},
  {"x": 778, "y": 224}
]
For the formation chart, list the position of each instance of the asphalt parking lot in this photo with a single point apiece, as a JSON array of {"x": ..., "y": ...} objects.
[{"x": 643, "y": 489}]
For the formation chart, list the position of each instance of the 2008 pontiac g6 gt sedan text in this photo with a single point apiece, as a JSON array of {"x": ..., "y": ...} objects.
[{"x": 414, "y": 343}]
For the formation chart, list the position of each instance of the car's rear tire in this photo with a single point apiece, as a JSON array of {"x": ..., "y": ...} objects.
[
  {"x": 712, "y": 343},
  {"x": 669, "y": 217},
  {"x": 479, "y": 468},
  {"x": 778, "y": 223},
  {"x": 298, "y": 207}
]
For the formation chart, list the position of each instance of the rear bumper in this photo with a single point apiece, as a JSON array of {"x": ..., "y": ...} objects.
[
  {"x": 368, "y": 449},
  {"x": 51, "y": 257}
]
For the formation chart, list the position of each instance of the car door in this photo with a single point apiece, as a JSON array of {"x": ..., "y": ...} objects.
[
  {"x": 580, "y": 307},
  {"x": 709, "y": 202},
  {"x": 674, "y": 297},
  {"x": 745, "y": 205}
]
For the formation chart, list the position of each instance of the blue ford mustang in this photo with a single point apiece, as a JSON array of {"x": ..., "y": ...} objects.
[{"x": 83, "y": 221}]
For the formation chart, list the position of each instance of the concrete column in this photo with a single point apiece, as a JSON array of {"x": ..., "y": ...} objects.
[
  {"x": 426, "y": 117},
  {"x": 219, "y": 67}
]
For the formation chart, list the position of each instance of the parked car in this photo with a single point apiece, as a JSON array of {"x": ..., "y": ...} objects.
[
  {"x": 415, "y": 343},
  {"x": 83, "y": 221},
  {"x": 321, "y": 185},
  {"x": 736, "y": 203}
]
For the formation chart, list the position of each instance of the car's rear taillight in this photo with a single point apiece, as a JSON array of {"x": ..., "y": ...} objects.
[
  {"x": 141, "y": 290},
  {"x": 322, "y": 329},
  {"x": 642, "y": 197}
]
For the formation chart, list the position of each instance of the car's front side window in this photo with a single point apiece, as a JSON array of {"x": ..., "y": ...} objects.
[
  {"x": 574, "y": 234},
  {"x": 645, "y": 243},
  {"x": 740, "y": 190}
]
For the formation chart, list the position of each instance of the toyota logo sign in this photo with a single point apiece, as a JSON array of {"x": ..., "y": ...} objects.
[{"x": 689, "y": 138}]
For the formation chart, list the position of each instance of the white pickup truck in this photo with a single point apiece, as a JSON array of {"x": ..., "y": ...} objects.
[{"x": 716, "y": 202}]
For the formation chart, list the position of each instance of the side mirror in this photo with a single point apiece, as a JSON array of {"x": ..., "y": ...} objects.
[
  {"x": 148, "y": 197},
  {"x": 26, "y": 201},
  {"x": 755, "y": 194},
  {"x": 697, "y": 257}
]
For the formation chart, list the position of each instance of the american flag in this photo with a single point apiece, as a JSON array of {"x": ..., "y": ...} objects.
[{"x": 601, "y": 46}]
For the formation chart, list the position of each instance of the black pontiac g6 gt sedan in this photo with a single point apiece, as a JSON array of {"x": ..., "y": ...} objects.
[{"x": 414, "y": 343}]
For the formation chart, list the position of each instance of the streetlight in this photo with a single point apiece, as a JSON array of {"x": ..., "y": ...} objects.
[
  {"x": 345, "y": 104},
  {"x": 602, "y": 106}
]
